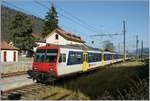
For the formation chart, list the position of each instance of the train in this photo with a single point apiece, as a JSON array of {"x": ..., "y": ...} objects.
[{"x": 52, "y": 62}]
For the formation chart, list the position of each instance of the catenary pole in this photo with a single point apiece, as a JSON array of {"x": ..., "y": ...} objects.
[
  {"x": 124, "y": 42},
  {"x": 137, "y": 41},
  {"x": 141, "y": 49}
]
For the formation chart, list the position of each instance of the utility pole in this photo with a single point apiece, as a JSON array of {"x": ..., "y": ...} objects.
[
  {"x": 124, "y": 42},
  {"x": 141, "y": 49},
  {"x": 119, "y": 47},
  {"x": 137, "y": 41}
]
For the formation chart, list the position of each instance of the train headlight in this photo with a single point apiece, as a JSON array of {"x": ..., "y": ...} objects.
[{"x": 35, "y": 68}]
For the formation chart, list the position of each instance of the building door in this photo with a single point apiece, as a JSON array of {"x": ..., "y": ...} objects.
[
  {"x": 85, "y": 65},
  {"x": 5, "y": 56},
  {"x": 14, "y": 56}
]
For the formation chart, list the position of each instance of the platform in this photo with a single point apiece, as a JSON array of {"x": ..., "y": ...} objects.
[{"x": 14, "y": 82}]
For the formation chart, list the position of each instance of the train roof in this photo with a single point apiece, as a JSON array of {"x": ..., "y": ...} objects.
[{"x": 81, "y": 47}]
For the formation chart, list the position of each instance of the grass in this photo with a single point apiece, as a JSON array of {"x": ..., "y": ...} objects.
[{"x": 124, "y": 81}]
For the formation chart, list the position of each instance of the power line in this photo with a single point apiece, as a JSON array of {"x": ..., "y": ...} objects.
[
  {"x": 70, "y": 28},
  {"x": 68, "y": 18},
  {"x": 23, "y": 10},
  {"x": 76, "y": 18},
  {"x": 104, "y": 35}
]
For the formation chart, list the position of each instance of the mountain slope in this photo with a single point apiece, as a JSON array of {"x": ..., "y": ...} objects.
[
  {"x": 145, "y": 51},
  {"x": 7, "y": 16}
]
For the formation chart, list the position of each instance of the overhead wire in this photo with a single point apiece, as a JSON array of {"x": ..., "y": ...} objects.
[
  {"x": 77, "y": 21},
  {"x": 81, "y": 21},
  {"x": 20, "y": 9}
]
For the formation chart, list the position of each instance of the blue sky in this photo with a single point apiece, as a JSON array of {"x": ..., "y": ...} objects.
[{"x": 105, "y": 17}]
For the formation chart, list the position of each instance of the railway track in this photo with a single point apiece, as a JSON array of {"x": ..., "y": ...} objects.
[
  {"x": 4, "y": 75},
  {"x": 36, "y": 91}
]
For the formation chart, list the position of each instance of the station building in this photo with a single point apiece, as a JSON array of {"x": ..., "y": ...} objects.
[
  {"x": 60, "y": 37},
  {"x": 9, "y": 53}
]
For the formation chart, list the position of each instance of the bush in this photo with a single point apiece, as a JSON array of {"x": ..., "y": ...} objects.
[{"x": 138, "y": 90}]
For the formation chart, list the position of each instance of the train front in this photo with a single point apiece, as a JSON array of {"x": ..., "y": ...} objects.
[{"x": 44, "y": 67}]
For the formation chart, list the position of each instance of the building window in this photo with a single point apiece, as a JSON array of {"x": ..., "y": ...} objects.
[
  {"x": 14, "y": 56},
  {"x": 5, "y": 54},
  {"x": 56, "y": 37}
]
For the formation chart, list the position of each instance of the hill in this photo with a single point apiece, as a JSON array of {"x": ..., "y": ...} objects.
[
  {"x": 145, "y": 51},
  {"x": 7, "y": 16}
]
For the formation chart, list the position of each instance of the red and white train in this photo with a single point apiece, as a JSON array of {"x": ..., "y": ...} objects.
[{"x": 52, "y": 62}]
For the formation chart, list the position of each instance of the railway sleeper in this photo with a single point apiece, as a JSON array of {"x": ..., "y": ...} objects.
[
  {"x": 4, "y": 97},
  {"x": 59, "y": 96},
  {"x": 63, "y": 96},
  {"x": 14, "y": 96},
  {"x": 49, "y": 95},
  {"x": 34, "y": 96}
]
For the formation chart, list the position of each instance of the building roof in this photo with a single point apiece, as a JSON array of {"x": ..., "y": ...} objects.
[
  {"x": 42, "y": 41},
  {"x": 67, "y": 35},
  {"x": 36, "y": 35},
  {"x": 5, "y": 46}
]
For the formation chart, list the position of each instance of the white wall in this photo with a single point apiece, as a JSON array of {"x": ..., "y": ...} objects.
[
  {"x": 60, "y": 41},
  {"x": 9, "y": 55},
  {"x": 51, "y": 40},
  {"x": 39, "y": 45}
]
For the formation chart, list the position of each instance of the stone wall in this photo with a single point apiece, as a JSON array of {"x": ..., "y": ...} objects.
[{"x": 15, "y": 67}]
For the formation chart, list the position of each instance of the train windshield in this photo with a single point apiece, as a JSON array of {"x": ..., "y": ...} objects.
[{"x": 49, "y": 55}]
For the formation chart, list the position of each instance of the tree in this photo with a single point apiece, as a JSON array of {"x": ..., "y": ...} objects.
[
  {"x": 51, "y": 21},
  {"x": 21, "y": 29},
  {"x": 108, "y": 46}
]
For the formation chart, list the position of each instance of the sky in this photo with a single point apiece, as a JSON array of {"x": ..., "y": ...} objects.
[{"x": 91, "y": 17}]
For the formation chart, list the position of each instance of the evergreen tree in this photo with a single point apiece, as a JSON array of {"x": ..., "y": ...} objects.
[
  {"x": 21, "y": 29},
  {"x": 51, "y": 21}
]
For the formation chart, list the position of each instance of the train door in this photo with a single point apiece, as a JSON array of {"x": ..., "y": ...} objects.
[{"x": 85, "y": 65}]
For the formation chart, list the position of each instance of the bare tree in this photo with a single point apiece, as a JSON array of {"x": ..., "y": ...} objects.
[{"x": 108, "y": 45}]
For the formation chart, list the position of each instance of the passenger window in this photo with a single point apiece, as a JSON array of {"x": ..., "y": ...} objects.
[
  {"x": 75, "y": 58},
  {"x": 64, "y": 57}
]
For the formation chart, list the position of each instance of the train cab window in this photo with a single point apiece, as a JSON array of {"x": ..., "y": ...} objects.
[
  {"x": 50, "y": 58},
  {"x": 39, "y": 58}
]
